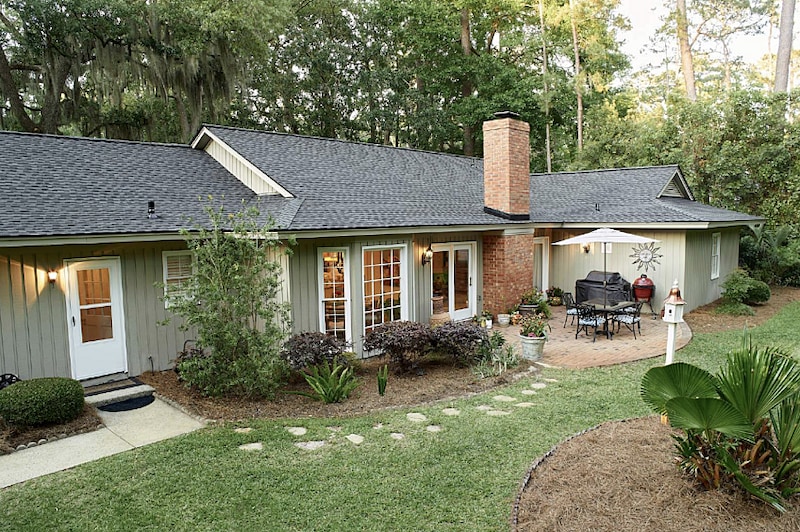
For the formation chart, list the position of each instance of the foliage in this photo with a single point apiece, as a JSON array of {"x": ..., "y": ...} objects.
[
  {"x": 308, "y": 349},
  {"x": 739, "y": 287},
  {"x": 404, "y": 341},
  {"x": 534, "y": 326},
  {"x": 461, "y": 340},
  {"x": 383, "y": 378},
  {"x": 536, "y": 297},
  {"x": 231, "y": 301},
  {"x": 331, "y": 383},
  {"x": 771, "y": 255},
  {"x": 740, "y": 425},
  {"x": 734, "y": 308},
  {"x": 555, "y": 291},
  {"x": 495, "y": 357},
  {"x": 42, "y": 401}
]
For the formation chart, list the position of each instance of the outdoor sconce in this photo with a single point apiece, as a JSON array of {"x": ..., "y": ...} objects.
[
  {"x": 427, "y": 256},
  {"x": 52, "y": 276},
  {"x": 586, "y": 248}
]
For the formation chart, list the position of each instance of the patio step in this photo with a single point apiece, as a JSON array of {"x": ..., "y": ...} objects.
[{"x": 116, "y": 396}]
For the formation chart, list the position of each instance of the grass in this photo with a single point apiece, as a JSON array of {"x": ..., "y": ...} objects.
[{"x": 462, "y": 478}]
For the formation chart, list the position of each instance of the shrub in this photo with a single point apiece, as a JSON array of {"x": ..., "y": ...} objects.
[
  {"x": 460, "y": 340},
  {"x": 495, "y": 357},
  {"x": 332, "y": 383},
  {"x": 230, "y": 299},
  {"x": 734, "y": 308},
  {"x": 41, "y": 401},
  {"x": 404, "y": 341},
  {"x": 741, "y": 288},
  {"x": 313, "y": 348}
]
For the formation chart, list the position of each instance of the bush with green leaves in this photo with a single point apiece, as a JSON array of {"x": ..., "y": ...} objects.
[
  {"x": 43, "y": 401},
  {"x": 230, "y": 300},
  {"x": 331, "y": 383},
  {"x": 771, "y": 254},
  {"x": 739, "y": 287},
  {"x": 495, "y": 357},
  {"x": 461, "y": 340},
  {"x": 313, "y": 348},
  {"x": 405, "y": 342},
  {"x": 740, "y": 426}
]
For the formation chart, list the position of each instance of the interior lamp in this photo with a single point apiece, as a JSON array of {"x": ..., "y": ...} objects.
[{"x": 427, "y": 256}]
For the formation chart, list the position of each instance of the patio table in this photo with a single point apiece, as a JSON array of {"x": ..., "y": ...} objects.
[{"x": 608, "y": 308}]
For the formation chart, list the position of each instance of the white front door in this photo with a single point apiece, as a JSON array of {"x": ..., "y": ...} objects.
[
  {"x": 96, "y": 324},
  {"x": 453, "y": 277}
]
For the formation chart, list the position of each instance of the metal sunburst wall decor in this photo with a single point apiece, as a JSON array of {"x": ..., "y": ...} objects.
[{"x": 646, "y": 256}]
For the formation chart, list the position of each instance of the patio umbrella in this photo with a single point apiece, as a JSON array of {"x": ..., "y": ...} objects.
[{"x": 605, "y": 235}]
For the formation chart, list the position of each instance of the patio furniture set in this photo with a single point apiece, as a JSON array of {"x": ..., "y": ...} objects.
[{"x": 598, "y": 313}]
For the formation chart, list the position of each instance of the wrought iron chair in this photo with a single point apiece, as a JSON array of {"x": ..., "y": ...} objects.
[
  {"x": 572, "y": 308},
  {"x": 631, "y": 319},
  {"x": 7, "y": 379},
  {"x": 588, "y": 317}
]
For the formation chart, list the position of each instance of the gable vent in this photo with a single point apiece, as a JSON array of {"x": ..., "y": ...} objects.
[{"x": 672, "y": 191}]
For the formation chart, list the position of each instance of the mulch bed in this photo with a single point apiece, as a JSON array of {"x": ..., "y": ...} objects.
[{"x": 11, "y": 436}]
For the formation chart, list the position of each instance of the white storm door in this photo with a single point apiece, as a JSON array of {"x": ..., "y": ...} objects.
[
  {"x": 453, "y": 274},
  {"x": 96, "y": 324},
  {"x": 541, "y": 262}
]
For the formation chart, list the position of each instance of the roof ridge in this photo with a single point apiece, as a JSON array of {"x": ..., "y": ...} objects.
[
  {"x": 95, "y": 139},
  {"x": 344, "y": 141},
  {"x": 596, "y": 170}
]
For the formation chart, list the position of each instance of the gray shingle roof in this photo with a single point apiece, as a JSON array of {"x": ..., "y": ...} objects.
[{"x": 58, "y": 186}]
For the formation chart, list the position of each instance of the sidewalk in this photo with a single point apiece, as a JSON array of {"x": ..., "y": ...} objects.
[{"x": 123, "y": 431}]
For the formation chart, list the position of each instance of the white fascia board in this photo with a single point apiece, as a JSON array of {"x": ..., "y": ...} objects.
[
  {"x": 382, "y": 231},
  {"x": 88, "y": 239},
  {"x": 205, "y": 136}
]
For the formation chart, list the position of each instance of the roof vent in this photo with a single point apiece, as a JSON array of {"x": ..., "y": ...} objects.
[{"x": 151, "y": 210}]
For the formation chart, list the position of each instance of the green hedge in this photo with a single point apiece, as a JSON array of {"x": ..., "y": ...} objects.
[{"x": 41, "y": 401}]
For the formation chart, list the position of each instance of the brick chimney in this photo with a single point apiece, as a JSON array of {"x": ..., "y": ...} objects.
[{"x": 506, "y": 167}]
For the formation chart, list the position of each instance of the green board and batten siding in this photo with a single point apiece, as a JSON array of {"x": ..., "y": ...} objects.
[
  {"x": 699, "y": 287},
  {"x": 34, "y": 339}
]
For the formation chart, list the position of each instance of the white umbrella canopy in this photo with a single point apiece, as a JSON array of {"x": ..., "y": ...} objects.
[{"x": 605, "y": 235}]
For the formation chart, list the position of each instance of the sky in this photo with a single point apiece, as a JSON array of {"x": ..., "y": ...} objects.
[{"x": 644, "y": 16}]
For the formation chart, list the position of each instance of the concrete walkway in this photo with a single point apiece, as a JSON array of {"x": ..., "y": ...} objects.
[{"x": 123, "y": 431}]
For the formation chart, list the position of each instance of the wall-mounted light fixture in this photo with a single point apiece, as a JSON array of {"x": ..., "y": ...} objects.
[
  {"x": 427, "y": 256},
  {"x": 586, "y": 248},
  {"x": 52, "y": 276}
]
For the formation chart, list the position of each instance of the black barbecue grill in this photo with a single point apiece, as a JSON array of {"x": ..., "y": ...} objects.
[{"x": 616, "y": 288}]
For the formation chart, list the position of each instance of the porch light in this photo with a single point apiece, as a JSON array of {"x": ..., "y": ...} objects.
[
  {"x": 52, "y": 276},
  {"x": 586, "y": 248},
  {"x": 427, "y": 256}
]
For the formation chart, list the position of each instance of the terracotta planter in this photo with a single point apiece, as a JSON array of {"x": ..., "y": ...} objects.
[{"x": 532, "y": 348}]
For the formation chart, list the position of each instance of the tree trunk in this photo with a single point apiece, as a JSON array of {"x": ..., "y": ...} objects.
[
  {"x": 687, "y": 64},
  {"x": 546, "y": 93},
  {"x": 9, "y": 89},
  {"x": 578, "y": 84},
  {"x": 784, "y": 46},
  {"x": 466, "y": 82}
]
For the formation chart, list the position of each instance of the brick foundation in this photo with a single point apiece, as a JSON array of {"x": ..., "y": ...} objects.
[{"x": 507, "y": 270}]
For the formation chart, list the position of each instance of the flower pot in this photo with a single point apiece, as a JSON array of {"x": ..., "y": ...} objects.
[
  {"x": 503, "y": 320},
  {"x": 532, "y": 348},
  {"x": 488, "y": 323},
  {"x": 555, "y": 301},
  {"x": 525, "y": 309},
  {"x": 438, "y": 304}
]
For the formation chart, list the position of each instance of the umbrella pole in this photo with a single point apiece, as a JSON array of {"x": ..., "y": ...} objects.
[{"x": 605, "y": 280}]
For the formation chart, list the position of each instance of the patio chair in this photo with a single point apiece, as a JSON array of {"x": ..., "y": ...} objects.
[
  {"x": 7, "y": 379},
  {"x": 588, "y": 317},
  {"x": 632, "y": 319},
  {"x": 572, "y": 308}
]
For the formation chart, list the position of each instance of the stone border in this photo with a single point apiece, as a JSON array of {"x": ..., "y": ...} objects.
[
  {"x": 514, "y": 520},
  {"x": 42, "y": 441}
]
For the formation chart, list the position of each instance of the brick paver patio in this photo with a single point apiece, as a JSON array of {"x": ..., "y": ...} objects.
[{"x": 565, "y": 351}]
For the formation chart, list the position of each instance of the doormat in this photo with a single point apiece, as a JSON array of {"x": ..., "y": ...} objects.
[
  {"x": 128, "y": 404},
  {"x": 130, "y": 382}
]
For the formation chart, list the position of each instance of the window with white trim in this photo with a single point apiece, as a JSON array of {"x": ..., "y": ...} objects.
[
  {"x": 334, "y": 311},
  {"x": 716, "y": 239},
  {"x": 178, "y": 267},
  {"x": 384, "y": 285}
]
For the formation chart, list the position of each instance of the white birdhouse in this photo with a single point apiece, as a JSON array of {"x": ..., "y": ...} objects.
[{"x": 673, "y": 305}]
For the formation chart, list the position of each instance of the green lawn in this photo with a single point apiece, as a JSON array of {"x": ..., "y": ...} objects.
[{"x": 462, "y": 478}]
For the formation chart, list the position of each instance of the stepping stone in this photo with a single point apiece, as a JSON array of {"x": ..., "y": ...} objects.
[
  {"x": 484, "y": 408},
  {"x": 257, "y": 446},
  {"x": 414, "y": 416},
  {"x": 309, "y": 445},
  {"x": 497, "y": 413},
  {"x": 524, "y": 405},
  {"x": 451, "y": 411},
  {"x": 433, "y": 428},
  {"x": 243, "y": 430},
  {"x": 334, "y": 429},
  {"x": 397, "y": 435},
  {"x": 377, "y": 426},
  {"x": 355, "y": 438},
  {"x": 550, "y": 380},
  {"x": 297, "y": 431},
  {"x": 528, "y": 392},
  {"x": 504, "y": 398},
  {"x": 538, "y": 385}
]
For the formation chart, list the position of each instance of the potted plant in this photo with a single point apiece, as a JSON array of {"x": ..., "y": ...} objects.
[
  {"x": 529, "y": 301},
  {"x": 486, "y": 319},
  {"x": 554, "y": 295},
  {"x": 533, "y": 334}
]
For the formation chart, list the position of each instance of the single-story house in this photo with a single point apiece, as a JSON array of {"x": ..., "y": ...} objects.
[{"x": 90, "y": 227}]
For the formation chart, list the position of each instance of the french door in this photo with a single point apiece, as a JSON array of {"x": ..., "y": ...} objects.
[{"x": 453, "y": 276}]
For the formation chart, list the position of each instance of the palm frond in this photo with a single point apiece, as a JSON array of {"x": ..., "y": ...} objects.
[
  {"x": 708, "y": 415},
  {"x": 662, "y": 383}
]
